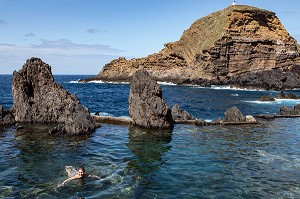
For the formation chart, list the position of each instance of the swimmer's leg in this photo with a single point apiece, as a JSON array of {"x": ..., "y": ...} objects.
[{"x": 70, "y": 171}]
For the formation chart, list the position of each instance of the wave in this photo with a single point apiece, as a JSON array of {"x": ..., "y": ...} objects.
[
  {"x": 166, "y": 83},
  {"x": 218, "y": 87},
  {"x": 288, "y": 102},
  {"x": 95, "y": 82},
  {"x": 111, "y": 115},
  {"x": 73, "y": 82},
  {"x": 104, "y": 114}
]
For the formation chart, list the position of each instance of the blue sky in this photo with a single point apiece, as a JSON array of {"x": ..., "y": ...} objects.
[{"x": 81, "y": 36}]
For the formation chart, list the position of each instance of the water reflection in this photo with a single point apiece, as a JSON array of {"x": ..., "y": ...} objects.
[
  {"x": 42, "y": 158},
  {"x": 148, "y": 147}
]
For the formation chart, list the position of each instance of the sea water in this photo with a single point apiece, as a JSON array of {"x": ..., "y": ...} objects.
[{"x": 247, "y": 161}]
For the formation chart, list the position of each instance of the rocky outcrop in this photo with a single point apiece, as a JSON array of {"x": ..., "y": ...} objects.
[
  {"x": 147, "y": 108},
  {"x": 39, "y": 99},
  {"x": 234, "y": 115},
  {"x": 178, "y": 114},
  {"x": 6, "y": 117},
  {"x": 282, "y": 95},
  {"x": 266, "y": 98},
  {"x": 240, "y": 45},
  {"x": 290, "y": 111}
]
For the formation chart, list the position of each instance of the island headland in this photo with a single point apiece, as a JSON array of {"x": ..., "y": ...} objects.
[{"x": 240, "y": 46}]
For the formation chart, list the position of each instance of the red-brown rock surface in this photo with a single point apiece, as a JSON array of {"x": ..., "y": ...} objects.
[{"x": 240, "y": 45}]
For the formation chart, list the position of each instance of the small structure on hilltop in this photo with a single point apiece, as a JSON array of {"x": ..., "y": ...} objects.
[
  {"x": 39, "y": 99},
  {"x": 147, "y": 108}
]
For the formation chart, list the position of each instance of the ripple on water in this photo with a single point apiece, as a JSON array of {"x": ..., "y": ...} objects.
[{"x": 260, "y": 161}]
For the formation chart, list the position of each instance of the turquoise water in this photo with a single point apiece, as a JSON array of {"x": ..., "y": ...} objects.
[{"x": 249, "y": 161}]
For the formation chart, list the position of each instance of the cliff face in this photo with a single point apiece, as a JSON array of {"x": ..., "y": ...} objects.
[{"x": 239, "y": 45}]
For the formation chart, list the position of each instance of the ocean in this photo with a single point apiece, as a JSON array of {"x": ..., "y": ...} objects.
[{"x": 246, "y": 161}]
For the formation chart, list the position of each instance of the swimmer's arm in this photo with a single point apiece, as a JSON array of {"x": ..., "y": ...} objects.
[
  {"x": 69, "y": 179},
  {"x": 94, "y": 176}
]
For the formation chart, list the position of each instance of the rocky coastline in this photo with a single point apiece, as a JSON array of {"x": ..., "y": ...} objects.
[{"x": 240, "y": 46}]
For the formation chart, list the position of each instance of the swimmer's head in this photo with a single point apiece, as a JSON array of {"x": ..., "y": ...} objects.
[{"x": 81, "y": 172}]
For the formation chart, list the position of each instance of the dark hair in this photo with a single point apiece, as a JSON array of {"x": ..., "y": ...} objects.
[{"x": 82, "y": 168}]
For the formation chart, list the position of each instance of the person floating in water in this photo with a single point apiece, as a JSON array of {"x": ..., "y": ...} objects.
[{"x": 80, "y": 174}]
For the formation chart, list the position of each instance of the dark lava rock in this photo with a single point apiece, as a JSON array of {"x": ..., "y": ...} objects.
[
  {"x": 266, "y": 98},
  {"x": 200, "y": 122},
  {"x": 282, "y": 95},
  {"x": 39, "y": 99},
  {"x": 178, "y": 114},
  {"x": 234, "y": 115},
  {"x": 290, "y": 111},
  {"x": 6, "y": 117},
  {"x": 147, "y": 108}
]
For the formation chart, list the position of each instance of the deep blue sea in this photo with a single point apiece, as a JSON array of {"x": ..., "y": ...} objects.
[{"x": 247, "y": 161}]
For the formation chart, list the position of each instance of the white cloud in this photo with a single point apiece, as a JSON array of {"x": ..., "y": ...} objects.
[
  {"x": 58, "y": 52},
  {"x": 58, "y": 47}
]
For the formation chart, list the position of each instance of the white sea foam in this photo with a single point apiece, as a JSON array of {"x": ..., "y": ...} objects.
[
  {"x": 218, "y": 87},
  {"x": 104, "y": 114},
  {"x": 96, "y": 82},
  {"x": 288, "y": 102},
  {"x": 106, "y": 82},
  {"x": 235, "y": 95},
  {"x": 73, "y": 82},
  {"x": 166, "y": 83}
]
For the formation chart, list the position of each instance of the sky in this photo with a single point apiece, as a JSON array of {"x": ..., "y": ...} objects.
[{"x": 81, "y": 36}]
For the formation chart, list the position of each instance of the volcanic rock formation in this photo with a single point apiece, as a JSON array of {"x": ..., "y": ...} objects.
[
  {"x": 6, "y": 117},
  {"x": 147, "y": 108},
  {"x": 241, "y": 45},
  {"x": 39, "y": 99},
  {"x": 178, "y": 114},
  {"x": 290, "y": 111},
  {"x": 234, "y": 115}
]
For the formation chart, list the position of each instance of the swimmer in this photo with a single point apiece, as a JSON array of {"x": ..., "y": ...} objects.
[{"x": 80, "y": 175}]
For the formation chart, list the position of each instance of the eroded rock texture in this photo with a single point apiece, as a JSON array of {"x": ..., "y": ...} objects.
[
  {"x": 290, "y": 111},
  {"x": 6, "y": 117},
  {"x": 240, "y": 46},
  {"x": 39, "y": 99},
  {"x": 234, "y": 115},
  {"x": 178, "y": 114},
  {"x": 147, "y": 108}
]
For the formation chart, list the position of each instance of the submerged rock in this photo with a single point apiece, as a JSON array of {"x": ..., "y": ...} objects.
[
  {"x": 147, "y": 108},
  {"x": 234, "y": 115},
  {"x": 178, "y": 114},
  {"x": 39, "y": 99}
]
